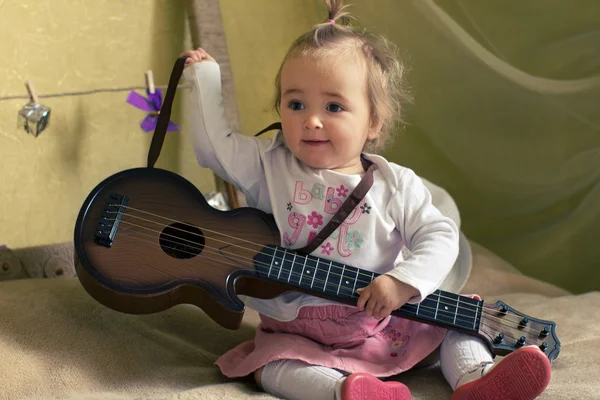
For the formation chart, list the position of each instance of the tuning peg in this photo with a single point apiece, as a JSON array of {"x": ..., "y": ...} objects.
[
  {"x": 544, "y": 332},
  {"x": 499, "y": 338},
  {"x": 521, "y": 341},
  {"x": 543, "y": 346},
  {"x": 524, "y": 321},
  {"x": 503, "y": 309}
]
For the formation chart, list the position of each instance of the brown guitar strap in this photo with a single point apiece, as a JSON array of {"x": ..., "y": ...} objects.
[
  {"x": 339, "y": 217},
  {"x": 165, "y": 113}
]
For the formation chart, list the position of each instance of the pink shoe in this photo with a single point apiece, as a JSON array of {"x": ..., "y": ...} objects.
[
  {"x": 362, "y": 386},
  {"x": 521, "y": 375}
]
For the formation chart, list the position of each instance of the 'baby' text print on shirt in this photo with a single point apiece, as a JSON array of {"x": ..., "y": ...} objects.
[{"x": 310, "y": 210}]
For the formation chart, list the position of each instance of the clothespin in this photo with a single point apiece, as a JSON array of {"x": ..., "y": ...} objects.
[
  {"x": 33, "y": 117},
  {"x": 152, "y": 105},
  {"x": 150, "y": 82},
  {"x": 32, "y": 96}
]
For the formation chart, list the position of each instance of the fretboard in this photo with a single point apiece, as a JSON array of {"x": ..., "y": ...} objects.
[{"x": 321, "y": 277}]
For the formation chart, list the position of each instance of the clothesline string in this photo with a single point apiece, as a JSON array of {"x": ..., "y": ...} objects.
[{"x": 86, "y": 92}]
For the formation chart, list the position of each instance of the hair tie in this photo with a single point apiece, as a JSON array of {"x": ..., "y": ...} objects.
[{"x": 332, "y": 21}]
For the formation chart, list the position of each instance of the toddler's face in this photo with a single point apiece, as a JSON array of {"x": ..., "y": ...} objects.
[{"x": 325, "y": 112}]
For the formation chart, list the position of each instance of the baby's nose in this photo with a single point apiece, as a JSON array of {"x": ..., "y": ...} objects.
[{"x": 313, "y": 122}]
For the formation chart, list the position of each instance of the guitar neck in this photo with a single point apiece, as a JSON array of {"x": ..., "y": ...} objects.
[{"x": 333, "y": 280}]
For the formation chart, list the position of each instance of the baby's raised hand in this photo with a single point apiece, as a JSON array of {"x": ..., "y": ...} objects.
[
  {"x": 384, "y": 295},
  {"x": 195, "y": 56}
]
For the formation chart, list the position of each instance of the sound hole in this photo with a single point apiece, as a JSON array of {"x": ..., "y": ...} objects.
[{"x": 181, "y": 241}]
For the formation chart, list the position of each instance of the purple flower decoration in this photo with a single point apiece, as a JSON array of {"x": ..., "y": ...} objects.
[{"x": 152, "y": 104}]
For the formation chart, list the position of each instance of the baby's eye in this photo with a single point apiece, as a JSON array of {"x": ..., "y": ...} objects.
[
  {"x": 335, "y": 108},
  {"x": 296, "y": 105}
]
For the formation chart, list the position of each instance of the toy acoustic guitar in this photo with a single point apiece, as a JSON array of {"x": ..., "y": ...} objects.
[{"x": 147, "y": 240}]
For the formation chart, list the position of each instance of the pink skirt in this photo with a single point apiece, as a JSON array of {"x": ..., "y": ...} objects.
[{"x": 339, "y": 337}]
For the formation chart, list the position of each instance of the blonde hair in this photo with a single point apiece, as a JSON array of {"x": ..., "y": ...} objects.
[{"x": 385, "y": 86}]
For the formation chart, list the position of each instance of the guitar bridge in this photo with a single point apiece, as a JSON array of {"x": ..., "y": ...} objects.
[{"x": 107, "y": 227}]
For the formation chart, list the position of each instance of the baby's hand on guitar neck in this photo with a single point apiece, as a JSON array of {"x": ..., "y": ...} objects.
[
  {"x": 384, "y": 295},
  {"x": 195, "y": 56}
]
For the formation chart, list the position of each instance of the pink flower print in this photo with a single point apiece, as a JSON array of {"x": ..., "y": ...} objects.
[
  {"x": 315, "y": 219},
  {"x": 353, "y": 239},
  {"x": 327, "y": 249},
  {"x": 342, "y": 191}
]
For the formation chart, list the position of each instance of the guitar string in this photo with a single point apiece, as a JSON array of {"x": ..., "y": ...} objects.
[
  {"x": 353, "y": 295},
  {"x": 367, "y": 282},
  {"x": 499, "y": 320},
  {"x": 483, "y": 320},
  {"x": 290, "y": 273},
  {"x": 223, "y": 252},
  {"x": 233, "y": 237},
  {"x": 229, "y": 243},
  {"x": 262, "y": 246}
]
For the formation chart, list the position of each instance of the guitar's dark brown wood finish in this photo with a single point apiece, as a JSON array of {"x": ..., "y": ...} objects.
[
  {"x": 146, "y": 240},
  {"x": 135, "y": 275}
]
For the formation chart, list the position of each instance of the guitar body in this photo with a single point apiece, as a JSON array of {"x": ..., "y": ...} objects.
[{"x": 177, "y": 250}]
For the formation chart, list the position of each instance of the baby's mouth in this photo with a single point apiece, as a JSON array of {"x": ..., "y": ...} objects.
[{"x": 316, "y": 142}]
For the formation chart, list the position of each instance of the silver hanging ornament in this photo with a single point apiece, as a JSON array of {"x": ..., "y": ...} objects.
[{"x": 33, "y": 117}]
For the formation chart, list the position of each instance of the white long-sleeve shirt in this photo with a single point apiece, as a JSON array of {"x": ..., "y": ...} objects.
[{"x": 396, "y": 212}]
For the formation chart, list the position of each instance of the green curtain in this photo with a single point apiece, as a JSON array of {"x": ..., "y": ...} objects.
[{"x": 506, "y": 117}]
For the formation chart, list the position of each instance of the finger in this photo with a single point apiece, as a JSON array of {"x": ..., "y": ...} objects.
[
  {"x": 371, "y": 304},
  {"x": 377, "y": 311},
  {"x": 384, "y": 312},
  {"x": 365, "y": 294}
]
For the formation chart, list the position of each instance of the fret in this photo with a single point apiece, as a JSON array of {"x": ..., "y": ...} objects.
[
  {"x": 456, "y": 311},
  {"x": 461, "y": 311},
  {"x": 355, "y": 279},
  {"x": 318, "y": 274},
  {"x": 446, "y": 310},
  {"x": 327, "y": 278},
  {"x": 467, "y": 312},
  {"x": 341, "y": 279},
  {"x": 314, "y": 273},
  {"x": 271, "y": 267},
  {"x": 301, "y": 272},
  {"x": 335, "y": 279},
  {"x": 349, "y": 284},
  {"x": 277, "y": 263},
  {"x": 290, "y": 264},
  {"x": 427, "y": 308}
]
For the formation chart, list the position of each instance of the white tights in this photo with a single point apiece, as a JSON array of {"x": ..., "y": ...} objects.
[{"x": 296, "y": 380}]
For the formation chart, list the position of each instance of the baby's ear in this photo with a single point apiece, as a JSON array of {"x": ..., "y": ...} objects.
[{"x": 374, "y": 129}]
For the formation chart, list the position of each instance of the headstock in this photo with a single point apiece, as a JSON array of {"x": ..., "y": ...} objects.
[{"x": 506, "y": 330}]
